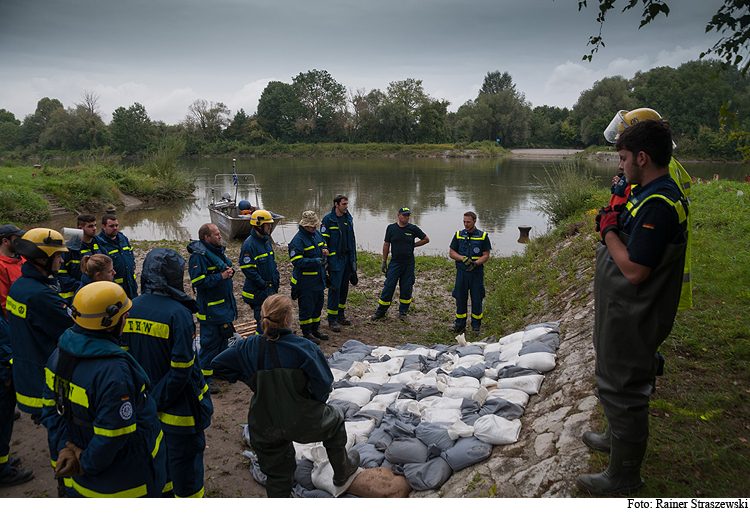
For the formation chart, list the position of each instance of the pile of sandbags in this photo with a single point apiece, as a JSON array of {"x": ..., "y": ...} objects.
[{"x": 423, "y": 413}]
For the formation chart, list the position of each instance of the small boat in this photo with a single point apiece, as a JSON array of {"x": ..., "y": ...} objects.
[{"x": 226, "y": 213}]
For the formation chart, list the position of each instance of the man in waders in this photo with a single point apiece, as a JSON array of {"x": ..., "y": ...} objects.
[{"x": 637, "y": 283}]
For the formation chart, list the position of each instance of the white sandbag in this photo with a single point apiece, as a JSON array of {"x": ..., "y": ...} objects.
[
  {"x": 497, "y": 430},
  {"x": 461, "y": 339},
  {"x": 460, "y": 392},
  {"x": 357, "y": 395},
  {"x": 338, "y": 374},
  {"x": 511, "y": 351},
  {"x": 480, "y": 395},
  {"x": 469, "y": 360},
  {"x": 421, "y": 351},
  {"x": 357, "y": 369},
  {"x": 381, "y": 351},
  {"x": 529, "y": 384},
  {"x": 515, "y": 396},
  {"x": 541, "y": 361},
  {"x": 492, "y": 347},
  {"x": 463, "y": 381},
  {"x": 426, "y": 381},
  {"x": 408, "y": 378},
  {"x": 406, "y": 404},
  {"x": 460, "y": 429},
  {"x": 359, "y": 430},
  {"x": 488, "y": 382},
  {"x": 533, "y": 334},
  {"x": 511, "y": 338},
  {"x": 391, "y": 367},
  {"x": 375, "y": 378},
  {"x": 322, "y": 475},
  {"x": 380, "y": 402},
  {"x": 439, "y": 414},
  {"x": 442, "y": 402},
  {"x": 305, "y": 450}
]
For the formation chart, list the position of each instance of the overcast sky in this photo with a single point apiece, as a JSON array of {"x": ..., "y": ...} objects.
[{"x": 167, "y": 53}]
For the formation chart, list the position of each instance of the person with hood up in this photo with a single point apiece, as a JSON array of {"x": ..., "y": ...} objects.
[
  {"x": 211, "y": 275},
  {"x": 104, "y": 436},
  {"x": 159, "y": 334}
]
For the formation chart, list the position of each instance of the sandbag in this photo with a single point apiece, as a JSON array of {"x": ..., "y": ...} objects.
[
  {"x": 390, "y": 367},
  {"x": 369, "y": 456},
  {"x": 322, "y": 473},
  {"x": 380, "y": 402},
  {"x": 380, "y": 439},
  {"x": 379, "y": 483},
  {"x": 358, "y": 431},
  {"x": 428, "y": 475},
  {"x": 406, "y": 450},
  {"x": 511, "y": 338},
  {"x": 357, "y": 395},
  {"x": 378, "y": 378},
  {"x": 460, "y": 429},
  {"x": 460, "y": 392},
  {"x": 439, "y": 414},
  {"x": 300, "y": 492},
  {"x": 539, "y": 345},
  {"x": 467, "y": 452},
  {"x": 303, "y": 473},
  {"x": 534, "y": 333},
  {"x": 497, "y": 430},
  {"x": 357, "y": 369},
  {"x": 501, "y": 407},
  {"x": 541, "y": 361},
  {"x": 528, "y": 384},
  {"x": 514, "y": 396},
  {"x": 435, "y": 433}
]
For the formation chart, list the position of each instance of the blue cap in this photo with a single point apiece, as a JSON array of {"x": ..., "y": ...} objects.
[{"x": 404, "y": 210}]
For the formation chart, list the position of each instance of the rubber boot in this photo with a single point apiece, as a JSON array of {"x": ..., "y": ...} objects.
[
  {"x": 344, "y": 465},
  {"x": 622, "y": 476},
  {"x": 309, "y": 336},
  {"x": 598, "y": 442}
]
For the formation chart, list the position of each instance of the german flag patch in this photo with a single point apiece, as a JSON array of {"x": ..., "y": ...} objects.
[{"x": 648, "y": 225}]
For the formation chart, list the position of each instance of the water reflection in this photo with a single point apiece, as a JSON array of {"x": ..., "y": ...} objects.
[{"x": 501, "y": 191}]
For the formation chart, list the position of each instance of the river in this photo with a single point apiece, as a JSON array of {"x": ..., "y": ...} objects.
[{"x": 503, "y": 193}]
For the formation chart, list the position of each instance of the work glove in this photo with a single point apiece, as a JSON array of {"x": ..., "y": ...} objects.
[
  {"x": 295, "y": 293},
  {"x": 320, "y": 261},
  {"x": 353, "y": 279},
  {"x": 471, "y": 265},
  {"x": 602, "y": 211},
  {"x": 467, "y": 261},
  {"x": 609, "y": 222},
  {"x": 69, "y": 461},
  {"x": 384, "y": 267}
]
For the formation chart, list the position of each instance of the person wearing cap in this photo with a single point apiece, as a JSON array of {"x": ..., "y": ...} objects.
[
  {"x": 116, "y": 245},
  {"x": 159, "y": 334},
  {"x": 308, "y": 255},
  {"x": 337, "y": 229},
  {"x": 10, "y": 262},
  {"x": 70, "y": 273},
  {"x": 104, "y": 435},
  {"x": 401, "y": 240},
  {"x": 470, "y": 249},
  {"x": 37, "y": 315},
  {"x": 211, "y": 275}
]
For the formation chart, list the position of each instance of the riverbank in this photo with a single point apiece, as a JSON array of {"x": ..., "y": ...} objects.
[{"x": 700, "y": 412}]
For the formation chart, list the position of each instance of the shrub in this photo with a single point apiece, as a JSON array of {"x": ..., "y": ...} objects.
[
  {"x": 22, "y": 205},
  {"x": 569, "y": 189}
]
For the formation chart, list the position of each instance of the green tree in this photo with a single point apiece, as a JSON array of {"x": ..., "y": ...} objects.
[
  {"x": 599, "y": 104},
  {"x": 10, "y": 130},
  {"x": 207, "y": 120},
  {"x": 279, "y": 108},
  {"x": 34, "y": 124},
  {"x": 131, "y": 129},
  {"x": 323, "y": 97}
]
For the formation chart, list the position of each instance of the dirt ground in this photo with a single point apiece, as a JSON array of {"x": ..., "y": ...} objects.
[{"x": 227, "y": 472}]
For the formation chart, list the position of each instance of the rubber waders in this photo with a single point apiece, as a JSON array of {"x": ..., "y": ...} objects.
[
  {"x": 598, "y": 442},
  {"x": 622, "y": 476}
]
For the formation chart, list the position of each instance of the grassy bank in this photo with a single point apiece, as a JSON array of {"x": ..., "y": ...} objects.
[{"x": 90, "y": 185}]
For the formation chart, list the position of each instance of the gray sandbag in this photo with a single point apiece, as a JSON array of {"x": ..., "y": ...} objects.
[
  {"x": 389, "y": 388},
  {"x": 373, "y": 414},
  {"x": 346, "y": 408},
  {"x": 435, "y": 433},
  {"x": 469, "y": 411},
  {"x": 475, "y": 371},
  {"x": 513, "y": 371},
  {"x": 355, "y": 346},
  {"x": 492, "y": 359},
  {"x": 406, "y": 451},
  {"x": 468, "y": 350},
  {"x": 537, "y": 346},
  {"x": 501, "y": 407},
  {"x": 412, "y": 362},
  {"x": 380, "y": 438},
  {"x": 299, "y": 492},
  {"x": 341, "y": 384},
  {"x": 407, "y": 393},
  {"x": 428, "y": 475},
  {"x": 467, "y": 452},
  {"x": 427, "y": 390},
  {"x": 379, "y": 483},
  {"x": 554, "y": 325},
  {"x": 303, "y": 473},
  {"x": 369, "y": 456}
]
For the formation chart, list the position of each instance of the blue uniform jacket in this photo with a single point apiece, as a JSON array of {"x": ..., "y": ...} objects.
[
  {"x": 123, "y": 260},
  {"x": 240, "y": 362},
  {"x": 159, "y": 334},
  {"x": 259, "y": 267},
  {"x": 6, "y": 356},
  {"x": 472, "y": 245},
  {"x": 214, "y": 294},
  {"x": 332, "y": 236},
  {"x": 305, "y": 253},
  {"x": 37, "y": 316},
  {"x": 123, "y": 451},
  {"x": 70, "y": 275}
]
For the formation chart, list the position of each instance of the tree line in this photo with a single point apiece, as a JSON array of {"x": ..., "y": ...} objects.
[{"x": 315, "y": 108}]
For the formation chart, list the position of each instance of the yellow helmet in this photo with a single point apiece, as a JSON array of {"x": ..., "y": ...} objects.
[
  {"x": 100, "y": 305},
  {"x": 40, "y": 243},
  {"x": 624, "y": 119},
  {"x": 261, "y": 217}
]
